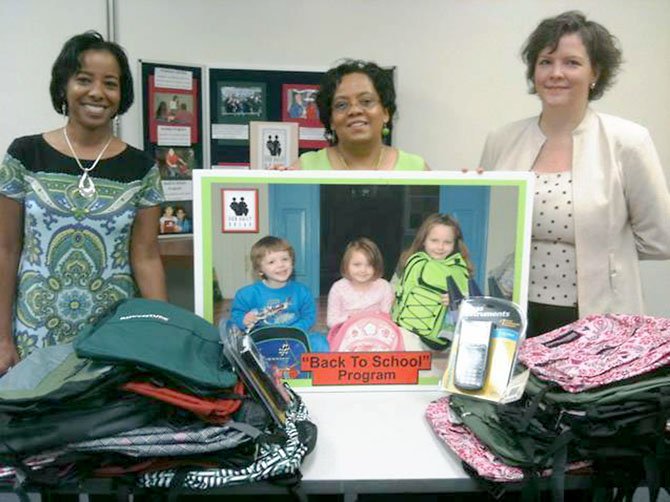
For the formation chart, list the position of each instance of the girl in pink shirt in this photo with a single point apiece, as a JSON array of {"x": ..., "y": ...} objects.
[{"x": 361, "y": 288}]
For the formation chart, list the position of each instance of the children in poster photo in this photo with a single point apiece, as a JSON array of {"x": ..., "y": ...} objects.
[
  {"x": 436, "y": 263},
  {"x": 276, "y": 299},
  {"x": 361, "y": 288},
  {"x": 440, "y": 237}
]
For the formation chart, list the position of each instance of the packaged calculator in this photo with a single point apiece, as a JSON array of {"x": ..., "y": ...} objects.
[{"x": 482, "y": 361}]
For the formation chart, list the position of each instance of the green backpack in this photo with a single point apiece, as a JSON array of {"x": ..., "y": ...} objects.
[
  {"x": 53, "y": 377},
  {"x": 159, "y": 337},
  {"x": 418, "y": 302}
]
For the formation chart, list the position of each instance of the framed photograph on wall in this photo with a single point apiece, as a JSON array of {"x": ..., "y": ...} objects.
[
  {"x": 238, "y": 103},
  {"x": 176, "y": 218},
  {"x": 273, "y": 144},
  {"x": 299, "y": 105},
  {"x": 239, "y": 210}
]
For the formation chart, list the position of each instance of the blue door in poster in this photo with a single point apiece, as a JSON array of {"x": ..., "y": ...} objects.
[
  {"x": 470, "y": 206},
  {"x": 295, "y": 216}
]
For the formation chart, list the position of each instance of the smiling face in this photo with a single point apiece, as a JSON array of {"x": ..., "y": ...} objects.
[
  {"x": 93, "y": 93},
  {"x": 276, "y": 268},
  {"x": 563, "y": 77},
  {"x": 357, "y": 112},
  {"x": 440, "y": 241},
  {"x": 359, "y": 269}
]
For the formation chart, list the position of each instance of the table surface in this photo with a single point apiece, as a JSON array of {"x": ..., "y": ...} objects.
[{"x": 379, "y": 438}]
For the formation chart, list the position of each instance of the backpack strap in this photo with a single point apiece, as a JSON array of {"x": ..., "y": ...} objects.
[
  {"x": 245, "y": 428},
  {"x": 560, "y": 461},
  {"x": 651, "y": 461},
  {"x": 292, "y": 484},
  {"x": 652, "y": 475}
]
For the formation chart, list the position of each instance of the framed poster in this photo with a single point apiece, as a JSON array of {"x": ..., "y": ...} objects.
[
  {"x": 239, "y": 210},
  {"x": 319, "y": 213},
  {"x": 273, "y": 144}
]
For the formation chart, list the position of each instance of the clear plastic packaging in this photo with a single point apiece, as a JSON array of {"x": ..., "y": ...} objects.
[{"x": 483, "y": 355}]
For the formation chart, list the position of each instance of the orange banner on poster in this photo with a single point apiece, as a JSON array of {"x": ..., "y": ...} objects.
[{"x": 365, "y": 368}]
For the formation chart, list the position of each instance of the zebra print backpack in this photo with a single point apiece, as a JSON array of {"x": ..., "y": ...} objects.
[{"x": 280, "y": 455}]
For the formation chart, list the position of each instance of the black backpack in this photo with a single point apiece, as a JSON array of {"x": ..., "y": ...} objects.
[{"x": 619, "y": 428}]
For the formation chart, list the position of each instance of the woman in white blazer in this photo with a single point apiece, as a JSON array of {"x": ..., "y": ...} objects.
[{"x": 601, "y": 200}]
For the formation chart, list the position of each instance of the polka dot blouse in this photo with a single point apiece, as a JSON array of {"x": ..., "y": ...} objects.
[{"x": 553, "y": 273}]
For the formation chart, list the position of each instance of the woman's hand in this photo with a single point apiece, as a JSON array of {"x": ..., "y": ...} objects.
[
  {"x": 8, "y": 354},
  {"x": 479, "y": 170},
  {"x": 277, "y": 167}
]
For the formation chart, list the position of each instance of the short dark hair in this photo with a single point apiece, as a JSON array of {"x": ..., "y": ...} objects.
[
  {"x": 382, "y": 80},
  {"x": 68, "y": 63},
  {"x": 601, "y": 46}
]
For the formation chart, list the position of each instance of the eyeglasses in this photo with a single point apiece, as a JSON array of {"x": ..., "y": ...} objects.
[{"x": 343, "y": 105}]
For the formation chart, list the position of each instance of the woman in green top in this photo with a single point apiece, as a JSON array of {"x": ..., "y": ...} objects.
[{"x": 356, "y": 103}]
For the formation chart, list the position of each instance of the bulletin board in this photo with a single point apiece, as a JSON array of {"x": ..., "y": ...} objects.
[
  {"x": 240, "y": 96},
  {"x": 172, "y": 126}
]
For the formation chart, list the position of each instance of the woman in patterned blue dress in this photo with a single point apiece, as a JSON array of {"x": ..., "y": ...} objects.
[{"x": 79, "y": 209}]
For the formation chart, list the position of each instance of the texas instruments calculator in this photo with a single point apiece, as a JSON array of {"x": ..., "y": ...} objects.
[{"x": 472, "y": 356}]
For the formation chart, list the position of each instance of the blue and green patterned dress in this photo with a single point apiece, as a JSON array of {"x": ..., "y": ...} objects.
[{"x": 75, "y": 259}]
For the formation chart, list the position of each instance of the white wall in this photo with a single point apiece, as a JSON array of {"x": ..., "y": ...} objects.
[
  {"x": 459, "y": 71},
  {"x": 32, "y": 33}
]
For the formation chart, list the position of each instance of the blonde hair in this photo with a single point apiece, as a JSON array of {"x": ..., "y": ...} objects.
[
  {"x": 267, "y": 245},
  {"x": 371, "y": 252},
  {"x": 422, "y": 234}
]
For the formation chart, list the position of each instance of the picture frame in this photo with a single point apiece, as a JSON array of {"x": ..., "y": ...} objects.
[
  {"x": 176, "y": 219},
  {"x": 239, "y": 209},
  {"x": 237, "y": 104},
  {"x": 299, "y": 105},
  {"x": 499, "y": 225},
  {"x": 273, "y": 144}
]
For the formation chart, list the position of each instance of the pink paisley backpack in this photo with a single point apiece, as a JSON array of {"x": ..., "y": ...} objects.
[
  {"x": 599, "y": 350},
  {"x": 366, "y": 332}
]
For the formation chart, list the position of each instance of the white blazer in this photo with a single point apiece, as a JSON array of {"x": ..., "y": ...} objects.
[{"x": 621, "y": 203}]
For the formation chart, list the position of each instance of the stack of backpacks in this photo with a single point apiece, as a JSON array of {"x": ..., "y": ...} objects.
[
  {"x": 597, "y": 400},
  {"x": 146, "y": 396}
]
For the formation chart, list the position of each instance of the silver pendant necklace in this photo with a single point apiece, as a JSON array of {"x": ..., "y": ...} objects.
[{"x": 86, "y": 187}]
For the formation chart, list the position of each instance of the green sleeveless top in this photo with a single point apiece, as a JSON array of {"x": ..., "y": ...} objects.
[{"x": 318, "y": 161}]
